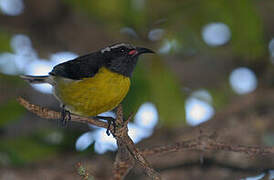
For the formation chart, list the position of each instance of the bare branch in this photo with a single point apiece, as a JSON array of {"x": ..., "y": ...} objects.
[
  {"x": 122, "y": 137},
  {"x": 207, "y": 144},
  {"x": 128, "y": 155},
  {"x": 123, "y": 162},
  {"x": 50, "y": 114}
]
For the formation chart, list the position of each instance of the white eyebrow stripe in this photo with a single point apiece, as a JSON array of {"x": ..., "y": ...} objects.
[
  {"x": 106, "y": 49},
  {"x": 116, "y": 46}
]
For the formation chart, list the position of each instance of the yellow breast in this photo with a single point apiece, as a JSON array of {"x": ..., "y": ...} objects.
[{"x": 92, "y": 96}]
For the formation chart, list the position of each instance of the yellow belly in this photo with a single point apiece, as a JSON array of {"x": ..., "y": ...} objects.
[{"x": 92, "y": 96}]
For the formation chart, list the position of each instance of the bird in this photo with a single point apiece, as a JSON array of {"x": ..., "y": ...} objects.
[{"x": 93, "y": 83}]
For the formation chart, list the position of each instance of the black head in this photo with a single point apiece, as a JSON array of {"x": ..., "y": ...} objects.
[{"x": 122, "y": 58}]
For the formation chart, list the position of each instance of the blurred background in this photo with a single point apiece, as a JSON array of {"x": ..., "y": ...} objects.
[{"x": 213, "y": 71}]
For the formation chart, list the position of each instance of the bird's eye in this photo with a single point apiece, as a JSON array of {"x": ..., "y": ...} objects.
[{"x": 122, "y": 50}]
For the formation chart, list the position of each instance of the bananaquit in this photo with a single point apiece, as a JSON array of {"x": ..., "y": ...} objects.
[{"x": 93, "y": 83}]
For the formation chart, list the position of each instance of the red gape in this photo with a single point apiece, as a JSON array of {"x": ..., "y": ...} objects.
[{"x": 132, "y": 52}]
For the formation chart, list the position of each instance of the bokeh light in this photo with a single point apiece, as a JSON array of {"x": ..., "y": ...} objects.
[
  {"x": 198, "y": 107},
  {"x": 168, "y": 46},
  {"x": 243, "y": 80},
  {"x": 202, "y": 94},
  {"x": 216, "y": 34},
  {"x": 138, "y": 4},
  {"x": 258, "y": 177},
  {"x": 40, "y": 68},
  {"x": 84, "y": 141},
  {"x": 61, "y": 57},
  {"x": 23, "y": 51},
  {"x": 12, "y": 7},
  {"x": 271, "y": 174},
  {"x": 21, "y": 44},
  {"x": 16, "y": 62},
  {"x": 4, "y": 159},
  {"x": 55, "y": 137},
  {"x": 7, "y": 64},
  {"x": 138, "y": 133},
  {"x": 147, "y": 116},
  {"x": 103, "y": 142},
  {"x": 24, "y": 60},
  {"x": 129, "y": 32},
  {"x": 271, "y": 49},
  {"x": 156, "y": 34}
]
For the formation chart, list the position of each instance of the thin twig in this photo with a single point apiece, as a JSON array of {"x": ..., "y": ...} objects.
[{"x": 207, "y": 144}]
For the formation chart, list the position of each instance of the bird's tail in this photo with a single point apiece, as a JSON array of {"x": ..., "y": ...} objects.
[{"x": 35, "y": 79}]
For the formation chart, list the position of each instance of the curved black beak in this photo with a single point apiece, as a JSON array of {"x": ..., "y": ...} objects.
[{"x": 141, "y": 50}]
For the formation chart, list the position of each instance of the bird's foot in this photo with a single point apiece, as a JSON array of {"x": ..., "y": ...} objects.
[
  {"x": 65, "y": 116},
  {"x": 111, "y": 121}
]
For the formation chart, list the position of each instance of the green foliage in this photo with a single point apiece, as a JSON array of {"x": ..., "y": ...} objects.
[
  {"x": 98, "y": 9},
  {"x": 10, "y": 111},
  {"x": 154, "y": 82},
  {"x": 268, "y": 139},
  {"x": 25, "y": 150},
  {"x": 244, "y": 22},
  {"x": 166, "y": 93},
  {"x": 221, "y": 96},
  {"x": 188, "y": 18},
  {"x": 67, "y": 137},
  {"x": 114, "y": 12},
  {"x": 11, "y": 80},
  {"x": 37, "y": 146},
  {"x": 4, "y": 42}
]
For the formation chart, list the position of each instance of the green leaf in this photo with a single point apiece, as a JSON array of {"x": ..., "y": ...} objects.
[
  {"x": 154, "y": 82},
  {"x": 25, "y": 150},
  {"x": 242, "y": 18},
  {"x": 114, "y": 12},
  {"x": 221, "y": 95},
  {"x": 10, "y": 111},
  {"x": 166, "y": 93},
  {"x": 4, "y": 42}
]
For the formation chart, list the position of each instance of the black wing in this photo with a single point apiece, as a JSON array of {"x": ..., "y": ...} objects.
[{"x": 81, "y": 67}]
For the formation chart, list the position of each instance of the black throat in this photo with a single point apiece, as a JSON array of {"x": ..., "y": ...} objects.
[{"x": 123, "y": 66}]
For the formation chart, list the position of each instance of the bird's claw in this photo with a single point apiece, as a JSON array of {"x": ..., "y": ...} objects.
[
  {"x": 111, "y": 121},
  {"x": 65, "y": 116}
]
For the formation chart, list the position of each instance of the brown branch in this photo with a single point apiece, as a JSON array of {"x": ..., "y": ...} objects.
[
  {"x": 50, "y": 114},
  {"x": 128, "y": 155},
  {"x": 123, "y": 138},
  {"x": 207, "y": 144},
  {"x": 123, "y": 162}
]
